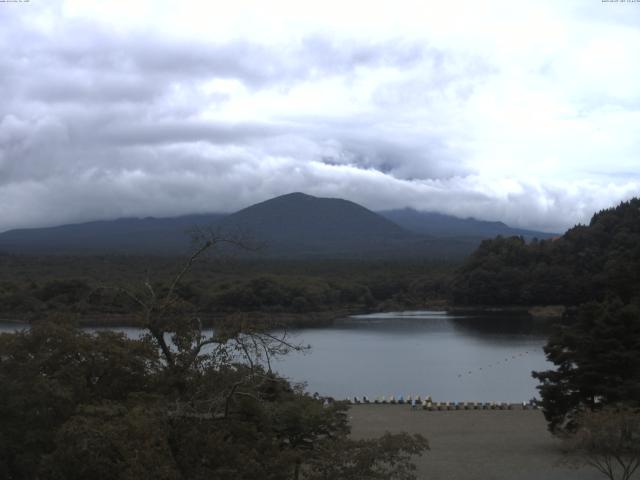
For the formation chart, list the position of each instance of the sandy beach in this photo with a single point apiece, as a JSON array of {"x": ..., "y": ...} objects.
[{"x": 474, "y": 444}]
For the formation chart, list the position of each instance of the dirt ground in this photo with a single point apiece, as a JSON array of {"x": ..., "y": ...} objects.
[{"x": 474, "y": 444}]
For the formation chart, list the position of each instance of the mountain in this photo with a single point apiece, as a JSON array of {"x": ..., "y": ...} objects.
[
  {"x": 298, "y": 224},
  {"x": 126, "y": 235},
  {"x": 308, "y": 218},
  {"x": 440, "y": 225},
  {"x": 294, "y": 225}
]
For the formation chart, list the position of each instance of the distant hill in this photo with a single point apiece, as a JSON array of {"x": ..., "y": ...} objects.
[
  {"x": 440, "y": 225},
  {"x": 589, "y": 262},
  {"x": 155, "y": 236},
  {"x": 294, "y": 225}
]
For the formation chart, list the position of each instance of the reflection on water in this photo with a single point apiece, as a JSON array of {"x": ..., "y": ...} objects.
[{"x": 450, "y": 357}]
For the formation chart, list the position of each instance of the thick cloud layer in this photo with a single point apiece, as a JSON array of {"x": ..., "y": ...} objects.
[{"x": 523, "y": 113}]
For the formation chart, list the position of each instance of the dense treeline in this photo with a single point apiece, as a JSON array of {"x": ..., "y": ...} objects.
[
  {"x": 593, "y": 269},
  {"x": 33, "y": 286},
  {"x": 590, "y": 262},
  {"x": 597, "y": 358},
  {"x": 176, "y": 403},
  {"x": 76, "y": 405}
]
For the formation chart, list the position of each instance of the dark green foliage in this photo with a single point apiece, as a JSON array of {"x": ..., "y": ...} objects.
[
  {"x": 587, "y": 263},
  {"x": 66, "y": 292},
  {"x": 81, "y": 285},
  {"x": 597, "y": 359},
  {"x": 176, "y": 404},
  {"x": 369, "y": 459},
  {"x": 76, "y": 406},
  {"x": 47, "y": 372}
]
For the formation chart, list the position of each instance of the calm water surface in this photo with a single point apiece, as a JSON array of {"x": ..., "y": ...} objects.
[
  {"x": 421, "y": 353},
  {"x": 451, "y": 358}
]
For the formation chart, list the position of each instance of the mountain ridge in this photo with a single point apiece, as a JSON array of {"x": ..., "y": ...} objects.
[
  {"x": 442, "y": 225},
  {"x": 291, "y": 225}
]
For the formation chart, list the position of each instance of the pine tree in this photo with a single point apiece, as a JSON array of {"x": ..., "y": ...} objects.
[{"x": 597, "y": 360}]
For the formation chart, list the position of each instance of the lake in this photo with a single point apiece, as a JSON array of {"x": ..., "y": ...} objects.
[{"x": 450, "y": 357}]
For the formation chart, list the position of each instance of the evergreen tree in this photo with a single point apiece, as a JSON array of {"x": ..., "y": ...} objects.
[{"x": 597, "y": 359}]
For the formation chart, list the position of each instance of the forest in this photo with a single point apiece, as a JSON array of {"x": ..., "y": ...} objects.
[
  {"x": 592, "y": 269},
  {"x": 589, "y": 262},
  {"x": 177, "y": 403},
  {"x": 298, "y": 292}
]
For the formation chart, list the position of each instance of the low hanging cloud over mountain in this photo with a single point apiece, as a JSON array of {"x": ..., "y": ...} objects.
[{"x": 524, "y": 113}]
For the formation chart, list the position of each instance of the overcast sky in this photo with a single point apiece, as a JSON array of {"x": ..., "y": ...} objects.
[{"x": 525, "y": 112}]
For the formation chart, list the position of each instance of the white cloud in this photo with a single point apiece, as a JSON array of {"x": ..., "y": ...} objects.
[{"x": 524, "y": 112}]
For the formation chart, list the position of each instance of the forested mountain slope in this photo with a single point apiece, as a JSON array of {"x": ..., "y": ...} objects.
[{"x": 589, "y": 262}]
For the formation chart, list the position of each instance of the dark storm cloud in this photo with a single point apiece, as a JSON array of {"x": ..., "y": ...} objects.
[
  {"x": 107, "y": 81},
  {"x": 402, "y": 159},
  {"x": 87, "y": 63},
  {"x": 94, "y": 72},
  {"x": 90, "y": 87},
  {"x": 170, "y": 132}
]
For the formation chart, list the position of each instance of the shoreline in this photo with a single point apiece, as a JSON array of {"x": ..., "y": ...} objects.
[
  {"x": 536, "y": 312},
  {"x": 277, "y": 319},
  {"x": 317, "y": 319}
]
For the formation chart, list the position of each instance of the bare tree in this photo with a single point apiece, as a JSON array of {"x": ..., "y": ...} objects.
[
  {"x": 184, "y": 344},
  {"x": 609, "y": 441}
]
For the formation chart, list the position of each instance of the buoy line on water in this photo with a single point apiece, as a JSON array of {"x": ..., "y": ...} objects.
[
  {"x": 426, "y": 403},
  {"x": 509, "y": 358}
]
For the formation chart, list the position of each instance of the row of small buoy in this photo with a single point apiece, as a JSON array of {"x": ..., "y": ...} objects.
[
  {"x": 391, "y": 399},
  {"x": 495, "y": 364},
  {"x": 427, "y": 403}
]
